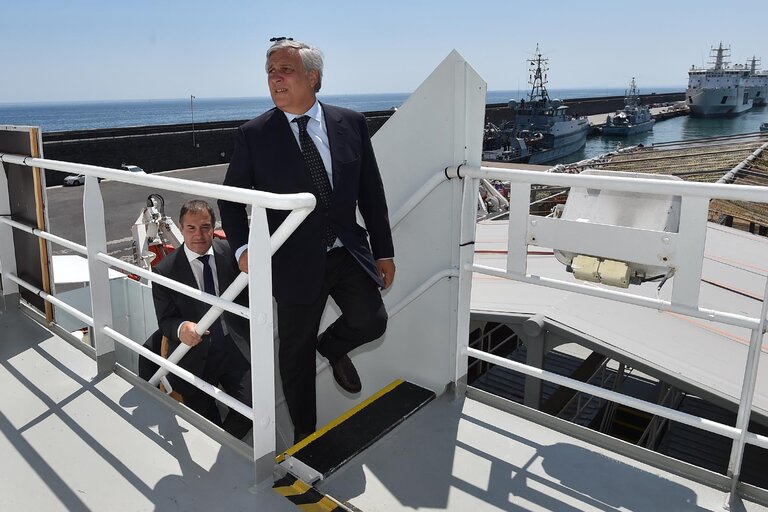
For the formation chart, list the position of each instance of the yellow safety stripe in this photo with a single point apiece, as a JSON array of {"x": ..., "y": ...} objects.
[
  {"x": 307, "y": 498},
  {"x": 334, "y": 423},
  {"x": 297, "y": 487},
  {"x": 324, "y": 505}
]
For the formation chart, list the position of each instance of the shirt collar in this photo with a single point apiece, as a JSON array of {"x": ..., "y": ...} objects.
[
  {"x": 315, "y": 112},
  {"x": 192, "y": 255}
]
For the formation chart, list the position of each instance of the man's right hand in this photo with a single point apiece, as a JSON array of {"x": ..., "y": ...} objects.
[
  {"x": 188, "y": 334},
  {"x": 242, "y": 263}
]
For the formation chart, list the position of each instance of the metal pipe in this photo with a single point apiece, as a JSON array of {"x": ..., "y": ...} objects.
[
  {"x": 189, "y": 291},
  {"x": 747, "y": 394},
  {"x": 87, "y": 320},
  {"x": 198, "y": 382},
  {"x": 729, "y": 177},
  {"x": 643, "y": 186},
  {"x": 661, "y": 305},
  {"x": 417, "y": 198},
  {"x": 46, "y": 235},
  {"x": 234, "y": 194},
  {"x": 234, "y": 289},
  {"x": 687, "y": 419},
  {"x": 426, "y": 285},
  {"x": 277, "y": 239}
]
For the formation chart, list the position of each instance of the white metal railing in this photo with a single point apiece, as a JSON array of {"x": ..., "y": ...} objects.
[
  {"x": 262, "y": 412},
  {"x": 690, "y": 240}
]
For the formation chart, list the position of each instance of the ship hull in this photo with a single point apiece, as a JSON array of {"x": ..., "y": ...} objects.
[
  {"x": 560, "y": 147},
  {"x": 718, "y": 102},
  {"x": 629, "y": 130}
]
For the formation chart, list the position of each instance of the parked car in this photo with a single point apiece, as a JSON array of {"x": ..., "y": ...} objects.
[
  {"x": 133, "y": 168},
  {"x": 74, "y": 180}
]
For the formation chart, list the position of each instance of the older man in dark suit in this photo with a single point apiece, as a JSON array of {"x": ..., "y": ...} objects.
[
  {"x": 303, "y": 145},
  {"x": 222, "y": 355}
]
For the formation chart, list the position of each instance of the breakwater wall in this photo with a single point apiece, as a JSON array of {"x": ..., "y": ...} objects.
[{"x": 178, "y": 146}]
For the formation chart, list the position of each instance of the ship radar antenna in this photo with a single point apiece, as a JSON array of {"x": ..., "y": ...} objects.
[{"x": 538, "y": 79}]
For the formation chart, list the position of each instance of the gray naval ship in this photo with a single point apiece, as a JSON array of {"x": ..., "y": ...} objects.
[
  {"x": 633, "y": 118},
  {"x": 625, "y": 307},
  {"x": 542, "y": 130}
]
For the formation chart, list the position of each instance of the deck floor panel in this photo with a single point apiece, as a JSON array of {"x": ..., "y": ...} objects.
[
  {"x": 459, "y": 455},
  {"x": 72, "y": 440}
]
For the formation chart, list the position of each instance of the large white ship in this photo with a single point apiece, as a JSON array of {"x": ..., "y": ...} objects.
[
  {"x": 719, "y": 91},
  {"x": 757, "y": 82}
]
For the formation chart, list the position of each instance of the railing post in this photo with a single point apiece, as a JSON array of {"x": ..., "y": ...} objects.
[
  {"x": 101, "y": 301},
  {"x": 466, "y": 257},
  {"x": 517, "y": 239},
  {"x": 10, "y": 290},
  {"x": 693, "y": 236},
  {"x": 262, "y": 348},
  {"x": 745, "y": 403}
]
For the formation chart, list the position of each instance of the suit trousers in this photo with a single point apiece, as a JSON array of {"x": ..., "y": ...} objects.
[
  {"x": 363, "y": 319},
  {"x": 225, "y": 366}
]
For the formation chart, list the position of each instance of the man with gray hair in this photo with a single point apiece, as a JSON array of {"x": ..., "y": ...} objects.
[{"x": 304, "y": 145}]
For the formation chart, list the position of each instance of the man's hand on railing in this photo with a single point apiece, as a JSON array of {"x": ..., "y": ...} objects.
[
  {"x": 242, "y": 262},
  {"x": 386, "y": 271},
  {"x": 188, "y": 334}
]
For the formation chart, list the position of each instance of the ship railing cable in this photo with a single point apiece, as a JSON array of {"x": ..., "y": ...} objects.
[{"x": 262, "y": 410}]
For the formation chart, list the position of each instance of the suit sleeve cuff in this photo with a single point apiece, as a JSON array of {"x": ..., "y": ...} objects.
[{"x": 239, "y": 252}]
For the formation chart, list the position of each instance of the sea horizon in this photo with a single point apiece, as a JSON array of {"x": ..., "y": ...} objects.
[
  {"x": 652, "y": 89},
  {"x": 57, "y": 116}
]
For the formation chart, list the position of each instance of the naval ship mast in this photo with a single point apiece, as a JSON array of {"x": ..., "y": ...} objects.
[{"x": 538, "y": 77}]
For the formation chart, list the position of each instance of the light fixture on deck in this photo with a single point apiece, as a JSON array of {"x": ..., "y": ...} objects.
[{"x": 618, "y": 238}]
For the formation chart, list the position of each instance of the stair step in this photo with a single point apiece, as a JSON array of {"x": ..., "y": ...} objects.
[{"x": 327, "y": 449}]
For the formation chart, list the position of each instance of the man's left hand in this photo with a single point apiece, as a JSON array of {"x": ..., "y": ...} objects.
[{"x": 386, "y": 271}]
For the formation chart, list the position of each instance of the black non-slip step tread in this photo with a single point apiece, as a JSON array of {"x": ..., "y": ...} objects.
[{"x": 367, "y": 423}]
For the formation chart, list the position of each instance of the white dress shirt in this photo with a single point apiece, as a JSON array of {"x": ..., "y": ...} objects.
[{"x": 197, "y": 271}]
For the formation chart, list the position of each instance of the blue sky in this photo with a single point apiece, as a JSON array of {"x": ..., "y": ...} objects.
[{"x": 140, "y": 49}]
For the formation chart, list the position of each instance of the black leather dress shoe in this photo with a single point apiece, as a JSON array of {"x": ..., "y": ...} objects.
[{"x": 345, "y": 374}]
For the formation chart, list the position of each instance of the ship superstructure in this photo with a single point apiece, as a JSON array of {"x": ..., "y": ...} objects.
[
  {"x": 545, "y": 125},
  {"x": 634, "y": 118},
  {"x": 757, "y": 82},
  {"x": 721, "y": 90}
]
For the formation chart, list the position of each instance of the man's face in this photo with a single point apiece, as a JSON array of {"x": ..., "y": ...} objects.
[
  {"x": 291, "y": 86},
  {"x": 197, "y": 230}
]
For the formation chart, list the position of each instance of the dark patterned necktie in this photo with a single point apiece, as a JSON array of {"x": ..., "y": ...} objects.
[
  {"x": 217, "y": 332},
  {"x": 317, "y": 173}
]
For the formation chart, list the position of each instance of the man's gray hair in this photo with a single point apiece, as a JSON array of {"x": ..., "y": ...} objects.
[{"x": 311, "y": 57}]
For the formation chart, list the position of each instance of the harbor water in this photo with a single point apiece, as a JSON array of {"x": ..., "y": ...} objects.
[
  {"x": 54, "y": 117},
  {"x": 674, "y": 129}
]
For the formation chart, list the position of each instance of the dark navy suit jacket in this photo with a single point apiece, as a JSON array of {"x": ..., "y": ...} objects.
[
  {"x": 173, "y": 308},
  {"x": 267, "y": 157}
]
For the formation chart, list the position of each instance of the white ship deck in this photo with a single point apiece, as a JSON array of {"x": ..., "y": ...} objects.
[
  {"x": 71, "y": 441},
  {"x": 462, "y": 455},
  {"x": 706, "y": 355}
]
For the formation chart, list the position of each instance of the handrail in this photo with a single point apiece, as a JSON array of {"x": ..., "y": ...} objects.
[
  {"x": 238, "y": 195},
  {"x": 45, "y": 234},
  {"x": 693, "y": 219},
  {"x": 629, "y": 298},
  {"x": 645, "y": 186},
  {"x": 300, "y": 206}
]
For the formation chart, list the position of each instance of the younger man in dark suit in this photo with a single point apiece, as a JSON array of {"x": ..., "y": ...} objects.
[
  {"x": 303, "y": 145},
  {"x": 221, "y": 355}
]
